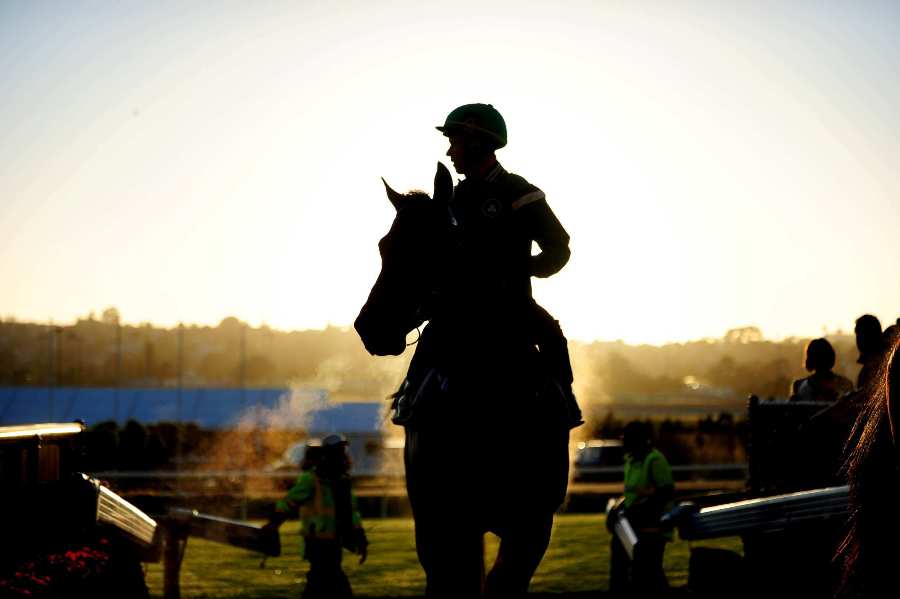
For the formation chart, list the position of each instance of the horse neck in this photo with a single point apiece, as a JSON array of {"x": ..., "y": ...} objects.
[{"x": 465, "y": 343}]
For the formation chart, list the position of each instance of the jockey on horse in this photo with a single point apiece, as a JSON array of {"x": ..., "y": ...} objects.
[{"x": 487, "y": 403}]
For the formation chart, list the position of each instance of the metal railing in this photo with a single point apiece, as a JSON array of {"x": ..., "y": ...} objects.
[{"x": 681, "y": 469}]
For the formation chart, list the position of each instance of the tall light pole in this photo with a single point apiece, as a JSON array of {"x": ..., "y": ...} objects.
[
  {"x": 178, "y": 402},
  {"x": 242, "y": 373},
  {"x": 118, "y": 370},
  {"x": 50, "y": 381},
  {"x": 242, "y": 376},
  {"x": 77, "y": 374},
  {"x": 58, "y": 331}
]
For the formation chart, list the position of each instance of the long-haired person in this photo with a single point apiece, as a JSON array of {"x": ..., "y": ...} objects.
[{"x": 871, "y": 551}]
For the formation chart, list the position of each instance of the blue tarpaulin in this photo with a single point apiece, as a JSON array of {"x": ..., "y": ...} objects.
[{"x": 305, "y": 409}]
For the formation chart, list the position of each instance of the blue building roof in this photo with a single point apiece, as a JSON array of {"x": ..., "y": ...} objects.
[{"x": 305, "y": 409}]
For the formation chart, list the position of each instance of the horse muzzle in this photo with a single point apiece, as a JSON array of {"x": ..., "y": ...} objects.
[{"x": 376, "y": 337}]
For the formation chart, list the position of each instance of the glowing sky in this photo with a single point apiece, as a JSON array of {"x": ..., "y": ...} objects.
[{"x": 717, "y": 164}]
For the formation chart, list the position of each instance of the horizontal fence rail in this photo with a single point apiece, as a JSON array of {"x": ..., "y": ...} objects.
[
  {"x": 740, "y": 469},
  {"x": 681, "y": 468}
]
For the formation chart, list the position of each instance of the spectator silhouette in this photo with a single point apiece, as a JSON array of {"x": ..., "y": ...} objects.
[
  {"x": 870, "y": 344},
  {"x": 890, "y": 332},
  {"x": 823, "y": 384},
  {"x": 873, "y": 470},
  {"x": 649, "y": 490}
]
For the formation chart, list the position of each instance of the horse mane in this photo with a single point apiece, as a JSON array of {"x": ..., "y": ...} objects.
[
  {"x": 873, "y": 474},
  {"x": 416, "y": 194}
]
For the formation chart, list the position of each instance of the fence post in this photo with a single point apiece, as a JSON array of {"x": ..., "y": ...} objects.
[{"x": 174, "y": 545}]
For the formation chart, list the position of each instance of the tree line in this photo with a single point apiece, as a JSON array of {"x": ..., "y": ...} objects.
[{"x": 104, "y": 352}]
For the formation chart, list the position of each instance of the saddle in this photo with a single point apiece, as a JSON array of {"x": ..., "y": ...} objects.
[{"x": 410, "y": 405}]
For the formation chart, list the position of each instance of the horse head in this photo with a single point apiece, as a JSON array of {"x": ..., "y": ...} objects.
[{"x": 412, "y": 254}]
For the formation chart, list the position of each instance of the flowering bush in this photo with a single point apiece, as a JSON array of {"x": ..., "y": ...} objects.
[{"x": 82, "y": 570}]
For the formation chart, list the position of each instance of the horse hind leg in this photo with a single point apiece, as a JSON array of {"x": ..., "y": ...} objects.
[{"x": 519, "y": 555}]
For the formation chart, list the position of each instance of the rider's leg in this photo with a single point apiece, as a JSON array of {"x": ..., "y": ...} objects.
[
  {"x": 554, "y": 351},
  {"x": 552, "y": 343}
]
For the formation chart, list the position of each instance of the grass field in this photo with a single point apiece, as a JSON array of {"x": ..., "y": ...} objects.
[{"x": 577, "y": 561}]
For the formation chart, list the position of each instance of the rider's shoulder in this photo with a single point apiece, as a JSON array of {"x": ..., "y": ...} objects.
[
  {"x": 518, "y": 190},
  {"x": 512, "y": 182}
]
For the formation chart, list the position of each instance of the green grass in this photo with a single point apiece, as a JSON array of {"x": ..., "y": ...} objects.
[{"x": 577, "y": 561}]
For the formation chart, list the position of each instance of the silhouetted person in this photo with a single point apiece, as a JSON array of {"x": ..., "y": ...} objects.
[
  {"x": 890, "y": 332},
  {"x": 311, "y": 456},
  {"x": 329, "y": 518},
  {"x": 497, "y": 216},
  {"x": 649, "y": 493},
  {"x": 822, "y": 384},
  {"x": 476, "y": 387},
  {"x": 873, "y": 467},
  {"x": 870, "y": 344}
]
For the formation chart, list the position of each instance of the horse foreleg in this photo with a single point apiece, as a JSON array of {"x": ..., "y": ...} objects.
[
  {"x": 452, "y": 555},
  {"x": 520, "y": 553}
]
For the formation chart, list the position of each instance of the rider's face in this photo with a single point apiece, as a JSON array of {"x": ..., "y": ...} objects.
[{"x": 457, "y": 153}]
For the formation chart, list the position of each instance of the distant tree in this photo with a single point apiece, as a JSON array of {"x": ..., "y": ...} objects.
[
  {"x": 609, "y": 428},
  {"x": 157, "y": 454},
  {"x": 743, "y": 335},
  {"x": 166, "y": 434},
  {"x": 7, "y": 366},
  {"x": 110, "y": 316},
  {"x": 102, "y": 446},
  {"x": 259, "y": 369},
  {"x": 723, "y": 373},
  {"x": 132, "y": 446},
  {"x": 149, "y": 360},
  {"x": 621, "y": 377},
  {"x": 230, "y": 324},
  {"x": 218, "y": 367},
  {"x": 671, "y": 426}
]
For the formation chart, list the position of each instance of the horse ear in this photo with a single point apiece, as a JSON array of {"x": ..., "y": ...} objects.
[
  {"x": 395, "y": 198},
  {"x": 443, "y": 184}
]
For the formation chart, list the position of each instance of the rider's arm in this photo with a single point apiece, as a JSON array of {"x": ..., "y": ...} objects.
[{"x": 543, "y": 227}]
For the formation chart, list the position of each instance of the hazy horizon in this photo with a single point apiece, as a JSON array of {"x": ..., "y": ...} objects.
[
  {"x": 716, "y": 165},
  {"x": 885, "y": 322}
]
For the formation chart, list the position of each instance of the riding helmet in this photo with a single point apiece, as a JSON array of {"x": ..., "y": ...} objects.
[{"x": 476, "y": 118}]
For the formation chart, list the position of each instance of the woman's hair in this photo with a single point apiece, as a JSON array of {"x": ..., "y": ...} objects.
[
  {"x": 819, "y": 355},
  {"x": 873, "y": 472}
]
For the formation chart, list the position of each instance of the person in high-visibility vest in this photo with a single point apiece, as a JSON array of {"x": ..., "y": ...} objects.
[
  {"x": 649, "y": 493},
  {"x": 329, "y": 519}
]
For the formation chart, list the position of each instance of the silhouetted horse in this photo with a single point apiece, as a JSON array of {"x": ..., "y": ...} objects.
[{"x": 486, "y": 447}]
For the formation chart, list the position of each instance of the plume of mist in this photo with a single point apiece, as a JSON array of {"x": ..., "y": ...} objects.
[
  {"x": 292, "y": 412},
  {"x": 260, "y": 436},
  {"x": 589, "y": 388},
  {"x": 347, "y": 378}
]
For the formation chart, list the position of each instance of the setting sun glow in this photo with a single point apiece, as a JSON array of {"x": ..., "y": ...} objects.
[{"x": 714, "y": 168}]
